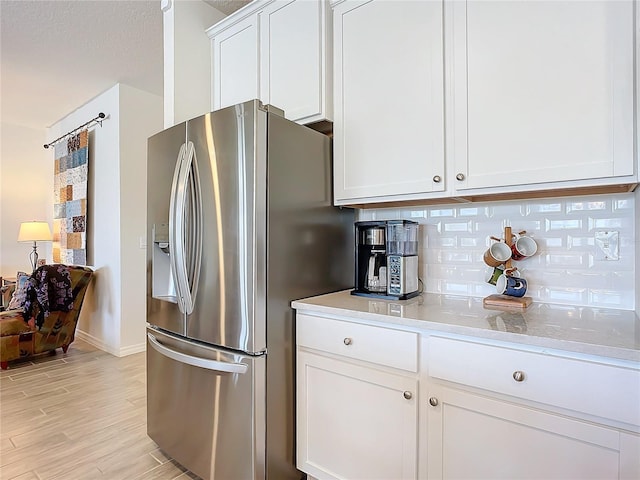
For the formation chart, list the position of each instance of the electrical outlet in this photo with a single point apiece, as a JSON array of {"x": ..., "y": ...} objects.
[{"x": 607, "y": 245}]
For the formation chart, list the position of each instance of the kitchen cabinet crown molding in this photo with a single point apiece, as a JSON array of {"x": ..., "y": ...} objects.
[{"x": 248, "y": 10}]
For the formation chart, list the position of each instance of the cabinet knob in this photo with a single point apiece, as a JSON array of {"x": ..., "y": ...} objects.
[
  {"x": 407, "y": 394},
  {"x": 518, "y": 376},
  {"x": 433, "y": 401},
  {"x": 460, "y": 177},
  {"x": 437, "y": 178},
  {"x": 347, "y": 341}
]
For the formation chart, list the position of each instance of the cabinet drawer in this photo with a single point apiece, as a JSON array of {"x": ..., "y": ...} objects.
[
  {"x": 607, "y": 391},
  {"x": 384, "y": 346}
]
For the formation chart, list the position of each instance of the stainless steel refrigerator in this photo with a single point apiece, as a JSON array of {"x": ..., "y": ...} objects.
[{"x": 240, "y": 223}]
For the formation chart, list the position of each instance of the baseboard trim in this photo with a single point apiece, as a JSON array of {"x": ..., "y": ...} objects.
[
  {"x": 131, "y": 349},
  {"x": 117, "y": 352}
]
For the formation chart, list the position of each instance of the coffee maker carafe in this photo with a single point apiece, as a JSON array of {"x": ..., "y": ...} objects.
[
  {"x": 386, "y": 259},
  {"x": 376, "y": 277}
]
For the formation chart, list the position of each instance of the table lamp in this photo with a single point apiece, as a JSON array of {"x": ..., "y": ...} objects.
[{"x": 34, "y": 232}]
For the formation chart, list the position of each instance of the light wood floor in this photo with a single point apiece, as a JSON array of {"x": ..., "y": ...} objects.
[{"x": 79, "y": 416}]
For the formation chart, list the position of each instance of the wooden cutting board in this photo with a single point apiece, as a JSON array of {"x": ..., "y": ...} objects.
[{"x": 505, "y": 301}]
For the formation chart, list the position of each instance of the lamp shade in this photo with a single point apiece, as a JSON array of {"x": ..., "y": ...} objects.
[{"x": 34, "y": 232}]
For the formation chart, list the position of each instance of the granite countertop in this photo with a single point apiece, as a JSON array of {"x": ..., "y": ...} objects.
[{"x": 589, "y": 330}]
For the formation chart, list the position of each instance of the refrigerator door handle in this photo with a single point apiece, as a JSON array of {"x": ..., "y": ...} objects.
[
  {"x": 196, "y": 361},
  {"x": 173, "y": 205},
  {"x": 185, "y": 227},
  {"x": 173, "y": 253}
]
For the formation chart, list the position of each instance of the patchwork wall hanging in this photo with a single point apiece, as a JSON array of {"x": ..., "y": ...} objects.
[{"x": 70, "y": 200}]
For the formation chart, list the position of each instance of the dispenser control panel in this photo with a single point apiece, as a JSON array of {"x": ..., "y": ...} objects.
[
  {"x": 402, "y": 274},
  {"x": 395, "y": 276}
]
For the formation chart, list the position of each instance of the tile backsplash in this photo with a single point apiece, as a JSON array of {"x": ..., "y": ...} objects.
[{"x": 568, "y": 268}]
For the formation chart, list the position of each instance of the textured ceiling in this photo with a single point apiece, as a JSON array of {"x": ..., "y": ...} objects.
[
  {"x": 56, "y": 55},
  {"x": 228, "y": 6}
]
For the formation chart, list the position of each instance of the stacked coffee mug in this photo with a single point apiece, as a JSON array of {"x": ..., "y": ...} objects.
[{"x": 508, "y": 280}]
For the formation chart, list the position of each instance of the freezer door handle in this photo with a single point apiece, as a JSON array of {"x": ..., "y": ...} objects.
[{"x": 196, "y": 361}]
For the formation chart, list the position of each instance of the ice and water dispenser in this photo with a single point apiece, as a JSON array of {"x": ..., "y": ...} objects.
[
  {"x": 162, "y": 284},
  {"x": 386, "y": 259}
]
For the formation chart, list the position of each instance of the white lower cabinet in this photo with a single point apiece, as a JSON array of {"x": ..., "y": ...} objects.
[
  {"x": 375, "y": 401},
  {"x": 504, "y": 412},
  {"x": 473, "y": 436},
  {"x": 355, "y": 422},
  {"x": 356, "y": 418}
]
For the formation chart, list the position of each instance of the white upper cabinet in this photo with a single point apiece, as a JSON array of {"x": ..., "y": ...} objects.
[
  {"x": 235, "y": 55},
  {"x": 275, "y": 51},
  {"x": 540, "y": 91},
  {"x": 458, "y": 99},
  {"x": 294, "y": 60},
  {"x": 388, "y": 99}
]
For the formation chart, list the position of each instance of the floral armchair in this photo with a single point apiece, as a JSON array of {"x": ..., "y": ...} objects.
[{"x": 21, "y": 339}]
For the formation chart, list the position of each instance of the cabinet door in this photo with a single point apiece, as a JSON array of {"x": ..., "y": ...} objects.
[
  {"x": 541, "y": 91},
  {"x": 294, "y": 63},
  {"x": 472, "y": 436},
  {"x": 388, "y": 99},
  {"x": 355, "y": 422},
  {"x": 235, "y": 64}
]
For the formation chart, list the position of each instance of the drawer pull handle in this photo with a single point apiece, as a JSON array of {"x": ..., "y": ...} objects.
[
  {"x": 407, "y": 395},
  {"x": 437, "y": 178},
  {"x": 518, "y": 376},
  {"x": 433, "y": 401},
  {"x": 460, "y": 177},
  {"x": 347, "y": 341}
]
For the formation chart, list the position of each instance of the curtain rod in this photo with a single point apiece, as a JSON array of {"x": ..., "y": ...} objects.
[{"x": 97, "y": 119}]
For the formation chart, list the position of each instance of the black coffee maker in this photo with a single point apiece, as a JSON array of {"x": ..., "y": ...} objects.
[{"x": 383, "y": 267}]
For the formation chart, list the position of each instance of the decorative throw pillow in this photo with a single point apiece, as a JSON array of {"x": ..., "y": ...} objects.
[{"x": 19, "y": 294}]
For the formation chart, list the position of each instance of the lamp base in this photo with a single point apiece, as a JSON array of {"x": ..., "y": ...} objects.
[{"x": 33, "y": 257}]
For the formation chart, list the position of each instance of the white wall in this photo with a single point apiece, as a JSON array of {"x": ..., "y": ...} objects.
[
  {"x": 141, "y": 117},
  {"x": 113, "y": 316},
  {"x": 566, "y": 269},
  {"x": 26, "y": 188},
  {"x": 100, "y": 319},
  {"x": 187, "y": 78}
]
